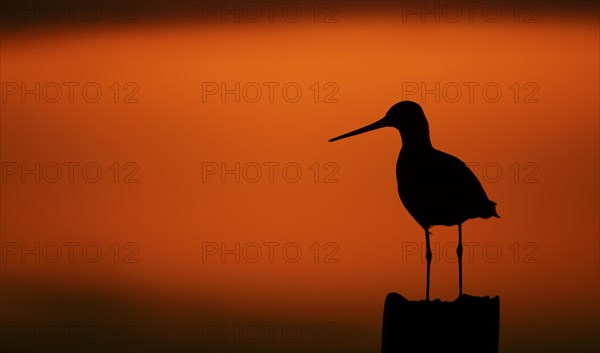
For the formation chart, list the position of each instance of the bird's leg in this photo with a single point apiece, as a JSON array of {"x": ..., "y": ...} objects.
[
  {"x": 459, "y": 252},
  {"x": 428, "y": 256}
]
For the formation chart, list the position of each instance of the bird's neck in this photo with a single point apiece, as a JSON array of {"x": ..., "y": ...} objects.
[{"x": 416, "y": 141}]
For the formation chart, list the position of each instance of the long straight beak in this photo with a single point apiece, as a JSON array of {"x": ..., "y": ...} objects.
[{"x": 376, "y": 125}]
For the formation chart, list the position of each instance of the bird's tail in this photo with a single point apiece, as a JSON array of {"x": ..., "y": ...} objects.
[{"x": 492, "y": 210}]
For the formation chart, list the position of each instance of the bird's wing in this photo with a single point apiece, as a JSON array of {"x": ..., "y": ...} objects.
[
  {"x": 439, "y": 188},
  {"x": 456, "y": 177},
  {"x": 457, "y": 185}
]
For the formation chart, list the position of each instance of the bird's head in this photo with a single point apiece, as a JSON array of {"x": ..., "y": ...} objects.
[{"x": 406, "y": 116}]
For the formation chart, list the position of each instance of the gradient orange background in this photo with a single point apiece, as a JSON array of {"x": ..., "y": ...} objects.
[{"x": 547, "y": 274}]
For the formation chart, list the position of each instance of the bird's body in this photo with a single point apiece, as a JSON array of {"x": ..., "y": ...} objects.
[
  {"x": 436, "y": 188},
  {"x": 439, "y": 189}
]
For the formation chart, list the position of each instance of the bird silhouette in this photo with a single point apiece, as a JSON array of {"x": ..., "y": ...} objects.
[{"x": 436, "y": 188}]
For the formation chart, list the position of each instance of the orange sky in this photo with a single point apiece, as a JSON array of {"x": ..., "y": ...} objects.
[{"x": 173, "y": 219}]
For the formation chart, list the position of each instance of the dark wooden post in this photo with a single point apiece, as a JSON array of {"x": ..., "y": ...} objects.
[{"x": 468, "y": 324}]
